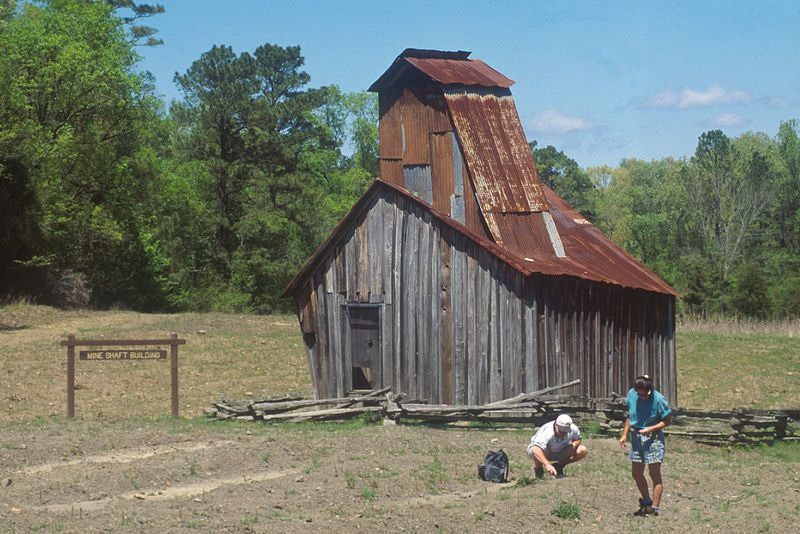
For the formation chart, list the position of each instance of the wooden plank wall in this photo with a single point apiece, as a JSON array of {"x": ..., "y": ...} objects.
[{"x": 461, "y": 326}]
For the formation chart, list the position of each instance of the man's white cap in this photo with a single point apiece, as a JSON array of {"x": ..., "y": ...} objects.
[{"x": 564, "y": 422}]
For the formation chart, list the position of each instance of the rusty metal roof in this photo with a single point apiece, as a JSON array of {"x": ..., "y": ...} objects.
[
  {"x": 589, "y": 253},
  {"x": 534, "y": 230},
  {"x": 469, "y": 72},
  {"x": 446, "y": 68},
  {"x": 497, "y": 153}
]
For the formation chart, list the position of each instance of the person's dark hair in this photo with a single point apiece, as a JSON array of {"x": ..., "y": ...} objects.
[{"x": 643, "y": 382}]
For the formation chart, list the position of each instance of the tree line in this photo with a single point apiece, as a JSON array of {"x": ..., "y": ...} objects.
[
  {"x": 722, "y": 227},
  {"x": 111, "y": 197}
]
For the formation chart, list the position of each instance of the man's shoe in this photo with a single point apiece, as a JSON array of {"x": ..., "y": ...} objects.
[{"x": 538, "y": 472}]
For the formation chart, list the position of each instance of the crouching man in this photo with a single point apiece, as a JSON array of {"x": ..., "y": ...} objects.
[{"x": 556, "y": 444}]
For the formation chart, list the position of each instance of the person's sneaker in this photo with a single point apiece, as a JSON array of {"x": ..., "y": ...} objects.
[
  {"x": 538, "y": 472},
  {"x": 645, "y": 507},
  {"x": 560, "y": 471}
]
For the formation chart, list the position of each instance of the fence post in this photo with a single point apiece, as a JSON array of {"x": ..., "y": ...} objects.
[
  {"x": 71, "y": 376},
  {"x": 174, "y": 373}
]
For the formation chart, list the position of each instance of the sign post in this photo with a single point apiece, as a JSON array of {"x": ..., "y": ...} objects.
[{"x": 121, "y": 355}]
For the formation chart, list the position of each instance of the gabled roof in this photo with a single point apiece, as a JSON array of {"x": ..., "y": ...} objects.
[
  {"x": 616, "y": 267},
  {"x": 532, "y": 228},
  {"x": 446, "y": 68}
]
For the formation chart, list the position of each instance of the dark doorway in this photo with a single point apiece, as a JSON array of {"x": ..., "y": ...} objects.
[{"x": 364, "y": 333}]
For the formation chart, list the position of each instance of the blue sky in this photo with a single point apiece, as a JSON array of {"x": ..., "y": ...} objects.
[{"x": 601, "y": 81}]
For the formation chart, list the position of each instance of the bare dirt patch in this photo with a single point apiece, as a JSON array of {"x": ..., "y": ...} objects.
[
  {"x": 184, "y": 476},
  {"x": 123, "y": 466}
]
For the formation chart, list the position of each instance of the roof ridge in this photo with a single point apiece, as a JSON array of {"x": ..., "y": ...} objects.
[{"x": 423, "y": 53}]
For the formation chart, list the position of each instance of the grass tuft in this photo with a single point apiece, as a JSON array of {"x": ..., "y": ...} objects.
[{"x": 567, "y": 510}]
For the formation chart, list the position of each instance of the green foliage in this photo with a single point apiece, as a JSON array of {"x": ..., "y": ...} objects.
[
  {"x": 73, "y": 119},
  {"x": 720, "y": 227},
  {"x": 274, "y": 180},
  {"x": 433, "y": 475},
  {"x": 750, "y": 291},
  {"x": 567, "y": 510},
  {"x": 562, "y": 174},
  {"x": 525, "y": 480},
  {"x": 216, "y": 205}
]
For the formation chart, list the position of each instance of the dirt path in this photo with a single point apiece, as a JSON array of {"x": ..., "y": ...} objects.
[{"x": 184, "y": 476}]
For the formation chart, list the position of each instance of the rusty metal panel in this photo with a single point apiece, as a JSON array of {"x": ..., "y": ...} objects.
[
  {"x": 421, "y": 111},
  {"x": 435, "y": 108},
  {"x": 589, "y": 254},
  {"x": 389, "y": 130},
  {"x": 417, "y": 179},
  {"x": 473, "y": 219},
  {"x": 414, "y": 129},
  {"x": 442, "y": 170},
  {"x": 497, "y": 154},
  {"x": 464, "y": 72},
  {"x": 391, "y": 170}
]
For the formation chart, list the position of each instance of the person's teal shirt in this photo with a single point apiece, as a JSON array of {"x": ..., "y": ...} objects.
[{"x": 646, "y": 412}]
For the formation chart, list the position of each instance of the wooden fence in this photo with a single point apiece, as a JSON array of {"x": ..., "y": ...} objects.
[{"x": 595, "y": 416}]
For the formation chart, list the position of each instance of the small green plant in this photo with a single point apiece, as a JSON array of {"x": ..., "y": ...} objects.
[
  {"x": 315, "y": 464},
  {"x": 266, "y": 457},
  {"x": 336, "y": 511},
  {"x": 251, "y": 520},
  {"x": 134, "y": 482},
  {"x": 567, "y": 510},
  {"x": 368, "y": 494},
  {"x": 280, "y": 515},
  {"x": 433, "y": 474},
  {"x": 592, "y": 428},
  {"x": 525, "y": 480},
  {"x": 350, "y": 480},
  {"x": 193, "y": 469}
]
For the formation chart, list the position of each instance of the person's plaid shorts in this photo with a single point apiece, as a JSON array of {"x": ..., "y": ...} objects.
[{"x": 648, "y": 449}]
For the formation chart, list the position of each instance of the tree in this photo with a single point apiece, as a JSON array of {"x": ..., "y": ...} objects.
[
  {"x": 562, "y": 174},
  {"x": 253, "y": 124},
  {"x": 73, "y": 116},
  {"x": 727, "y": 200},
  {"x": 139, "y": 33}
]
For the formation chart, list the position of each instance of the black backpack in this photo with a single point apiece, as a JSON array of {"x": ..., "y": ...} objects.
[{"x": 495, "y": 467}]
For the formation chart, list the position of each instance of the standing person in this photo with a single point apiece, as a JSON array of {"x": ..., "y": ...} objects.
[
  {"x": 556, "y": 444},
  {"x": 648, "y": 415}
]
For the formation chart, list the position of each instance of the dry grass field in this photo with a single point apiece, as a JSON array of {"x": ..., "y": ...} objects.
[{"x": 123, "y": 465}]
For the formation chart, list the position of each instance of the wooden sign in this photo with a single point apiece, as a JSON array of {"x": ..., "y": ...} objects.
[{"x": 123, "y": 354}]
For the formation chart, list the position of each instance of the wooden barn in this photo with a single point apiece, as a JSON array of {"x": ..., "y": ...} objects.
[{"x": 459, "y": 277}]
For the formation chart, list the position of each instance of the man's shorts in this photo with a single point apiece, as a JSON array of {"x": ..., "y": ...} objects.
[
  {"x": 647, "y": 448},
  {"x": 556, "y": 456}
]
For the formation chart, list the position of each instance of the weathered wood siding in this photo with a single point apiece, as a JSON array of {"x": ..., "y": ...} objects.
[{"x": 461, "y": 326}]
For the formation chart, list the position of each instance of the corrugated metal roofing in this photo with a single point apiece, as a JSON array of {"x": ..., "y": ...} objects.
[
  {"x": 510, "y": 196},
  {"x": 447, "y": 68},
  {"x": 461, "y": 72},
  {"x": 497, "y": 153},
  {"x": 590, "y": 254}
]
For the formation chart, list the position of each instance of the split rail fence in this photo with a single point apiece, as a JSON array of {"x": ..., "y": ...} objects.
[{"x": 597, "y": 416}]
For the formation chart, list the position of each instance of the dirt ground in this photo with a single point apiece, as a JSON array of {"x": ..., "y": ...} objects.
[
  {"x": 198, "y": 476},
  {"x": 123, "y": 465}
]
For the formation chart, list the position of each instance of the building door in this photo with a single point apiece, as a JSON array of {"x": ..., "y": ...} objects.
[{"x": 363, "y": 338}]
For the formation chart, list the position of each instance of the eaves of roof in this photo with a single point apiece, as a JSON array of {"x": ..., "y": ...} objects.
[{"x": 554, "y": 267}]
